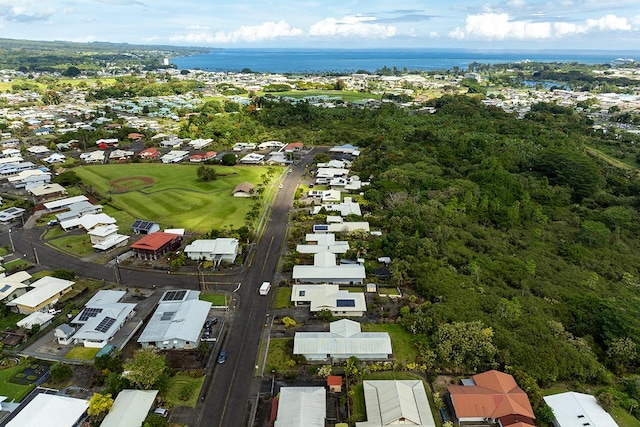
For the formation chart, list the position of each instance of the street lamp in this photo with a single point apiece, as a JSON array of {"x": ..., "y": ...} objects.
[{"x": 13, "y": 248}]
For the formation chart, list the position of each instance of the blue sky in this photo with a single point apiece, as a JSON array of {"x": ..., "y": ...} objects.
[{"x": 508, "y": 24}]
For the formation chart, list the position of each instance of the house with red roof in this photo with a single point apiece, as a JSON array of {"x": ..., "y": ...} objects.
[
  {"x": 489, "y": 398},
  {"x": 294, "y": 146},
  {"x": 149, "y": 153},
  {"x": 135, "y": 136},
  {"x": 154, "y": 245}
]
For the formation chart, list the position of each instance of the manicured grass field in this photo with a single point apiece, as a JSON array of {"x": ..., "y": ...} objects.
[
  {"x": 79, "y": 245},
  {"x": 183, "y": 386},
  {"x": 283, "y": 299},
  {"x": 82, "y": 353},
  {"x": 401, "y": 340},
  {"x": 215, "y": 299},
  {"x": 172, "y": 194},
  {"x": 19, "y": 264},
  {"x": 11, "y": 390}
]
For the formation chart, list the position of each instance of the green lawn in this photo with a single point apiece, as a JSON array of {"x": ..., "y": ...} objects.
[
  {"x": 215, "y": 299},
  {"x": 13, "y": 391},
  {"x": 283, "y": 298},
  {"x": 76, "y": 244},
  {"x": 17, "y": 264},
  {"x": 624, "y": 418},
  {"x": 183, "y": 387},
  {"x": 82, "y": 353},
  {"x": 279, "y": 354},
  {"x": 344, "y": 95},
  {"x": 401, "y": 340},
  {"x": 176, "y": 198}
]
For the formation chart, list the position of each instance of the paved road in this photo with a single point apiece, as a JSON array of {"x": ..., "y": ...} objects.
[{"x": 228, "y": 399}]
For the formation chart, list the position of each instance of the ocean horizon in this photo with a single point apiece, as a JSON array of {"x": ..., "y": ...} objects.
[{"x": 290, "y": 60}]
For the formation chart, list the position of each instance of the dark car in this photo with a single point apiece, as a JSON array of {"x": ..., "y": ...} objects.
[
  {"x": 210, "y": 322},
  {"x": 223, "y": 356}
]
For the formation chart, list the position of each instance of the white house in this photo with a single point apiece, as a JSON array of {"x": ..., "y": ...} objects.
[
  {"x": 64, "y": 334},
  {"x": 106, "y": 237},
  {"x": 573, "y": 409},
  {"x": 394, "y": 402},
  {"x": 326, "y": 270},
  {"x": 199, "y": 144},
  {"x": 93, "y": 157},
  {"x": 175, "y": 156},
  {"x": 329, "y": 297},
  {"x": 14, "y": 285},
  {"x": 240, "y": 146},
  {"x": 323, "y": 242},
  {"x": 217, "y": 250},
  {"x": 45, "y": 293},
  {"x": 252, "y": 159},
  {"x": 301, "y": 407},
  {"x": 270, "y": 144},
  {"x": 58, "y": 205},
  {"x": 344, "y": 339},
  {"x": 347, "y": 207},
  {"x": 36, "y": 318},
  {"x": 55, "y": 158},
  {"x": 50, "y": 410},
  {"x": 130, "y": 408},
  {"x": 88, "y": 222}
]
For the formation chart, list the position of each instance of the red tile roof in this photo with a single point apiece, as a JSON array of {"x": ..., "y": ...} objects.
[
  {"x": 334, "y": 380},
  {"x": 495, "y": 395},
  {"x": 154, "y": 241}
]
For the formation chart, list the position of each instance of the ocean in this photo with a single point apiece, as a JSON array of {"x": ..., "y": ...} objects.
[{"x": 352, "y": 60}]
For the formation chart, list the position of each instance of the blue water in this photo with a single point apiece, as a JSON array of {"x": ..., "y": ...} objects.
[{"x": 351, "y": 60}]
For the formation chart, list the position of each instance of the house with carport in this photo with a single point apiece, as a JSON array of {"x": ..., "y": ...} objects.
[
  {"x": 217, "y": 250},
  {"x": 44, "y": 294},
  {"x": 344, "y": 339},
  {"x": 176, "y": 322}
]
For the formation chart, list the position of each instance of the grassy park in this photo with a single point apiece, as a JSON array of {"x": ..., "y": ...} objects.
[{"x": 172, "y": 194}]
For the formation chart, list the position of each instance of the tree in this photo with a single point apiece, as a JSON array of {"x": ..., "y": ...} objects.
[
  {"x": 206, "y": 174},
  {"x": 288, "y": 322},
  {"x": 72, "y": 72},
  {"x": 145, "y": 369},
  {"x": 594, "y": 233},
  {"x": 353, "y": 368},
  {"x": 465, "y": 346},
  {"x": 155, "y": 420},
  {"x": 99, "y": 404},
  {"x": 621, "y": 353},
  {"x": 229, "y": 159},
  {"x": 60, "y": 372}
]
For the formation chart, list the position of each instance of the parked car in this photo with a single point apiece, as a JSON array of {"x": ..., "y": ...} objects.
[
  {"x": 222, "y": 357},
  {"x": 210, "y": 322},
  {"x": 52, "y": 223},
  {"x": 206, "y": 334},
  {"x": 163, "y": 412}
]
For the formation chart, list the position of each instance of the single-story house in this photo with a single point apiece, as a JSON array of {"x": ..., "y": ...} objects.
[
  {"x": 156, "y": 244},
  {"x": 573, "y": 409},
  {"x": 14, "y": 285},
  {"x": 35, "y": 177},
  {"x": 76, "y": 210},
  {"x": 240, "y": 146},
  {"x": 301, "y": 407},
  {"x": 36, "y": 318},
  {"x": 130, "y": 408},
  {"x": 175, "y": 156},
  {"x": 47, "y": 191},
  {"x": 197, "y": 158},
  {"x": 326, "y": 270},
  {"x": 217, "y": 250},
  {"x": 93, "y": 157},
  {"x": 394, "y": 402},
  {"x": 64, "y": 334},
  {"x": 141, "y": 226},
  {"x": 293, "y": 146},
  {"x": 150, "y": 153},
  {"x": 88, "y": 222},
  {"x": 106, "y": 237},
  {"x": 55, "y": 158},
  {"x": 346, "y": 207},
  {"x": 323, "y": 242},
  {"x": 244, "y": 189},
  {"x": 341, "y": 227},
  {"x": 330, "y": 173},
  {"x": 345, "y": 149},
  {"x": 177, "y": 321},
  {"x": 489, "y": 398},
  {"x": 61, "y": 204},
  {"x": 102, "y": 316},
  {"x": 252, "y": 159},
  {"x": 199, "y": 144},
  {"x": 49, "y": 410},
  {"x": 10, "y": 214},
  {"x": 344, "y": 339},
  {"x": 270, "y": 144},
  {"x": 45, "y": 293},
  {"x": 120, "y": 154}
]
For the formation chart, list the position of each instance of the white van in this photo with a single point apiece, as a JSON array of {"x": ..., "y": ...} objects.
[{"x": 264, "y": 288}]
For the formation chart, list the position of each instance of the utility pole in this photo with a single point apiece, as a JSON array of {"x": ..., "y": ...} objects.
[{"x": 13, "y": 248}]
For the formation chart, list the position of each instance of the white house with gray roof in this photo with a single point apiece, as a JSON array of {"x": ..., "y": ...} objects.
[
  {"x": 130, "y": 408},
  {"x": 344, "y": 339},
  {"x": 323, "y": 242},
  {"x": 217, "y": 250},
  {"x": 301, "y": 407},
  {"x": 177, "y": 322},
  {"x": 393, "y": 402},
  {"x": 326, "y": 270},
  {"x": 101, "y": 318}
]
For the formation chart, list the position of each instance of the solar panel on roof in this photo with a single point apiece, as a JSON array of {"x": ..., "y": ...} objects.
[
  {"x": 5, "y": 288},
  {"x": 345, "y": 303},
  {"x": 167, "y": 315},
  {"x": 105, "y": 324},
  {"x": 88, "y": 313},
  {"x": 174, "y": 295}
]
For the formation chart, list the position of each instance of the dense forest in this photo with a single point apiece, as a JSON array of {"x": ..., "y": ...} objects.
[{"x": 521, "y": 247}]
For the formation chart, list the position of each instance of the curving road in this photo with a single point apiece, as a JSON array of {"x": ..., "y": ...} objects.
[{"x": 227, "y": 398}]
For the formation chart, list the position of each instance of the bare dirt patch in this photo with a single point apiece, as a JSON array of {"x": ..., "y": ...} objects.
[{"x": 130, "y": 183}]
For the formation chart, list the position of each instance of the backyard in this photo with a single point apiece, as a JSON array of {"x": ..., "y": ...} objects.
[
  {"x": 183, "y": 390},
  {"x": 173, "y": 195},
  {"x": 12, "y": 387}
]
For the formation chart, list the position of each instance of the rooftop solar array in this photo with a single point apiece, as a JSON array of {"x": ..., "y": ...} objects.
[
  {"x": 5, "y": 288},
  {"x": 174, "y": 295},
  {"x": 88, "y": 313},
  {"x": 167, "y": 315},
  {"x": 345, "y": 303},
  {"x": 106, "y": 323},
  {"x": 140, "y": 224}
]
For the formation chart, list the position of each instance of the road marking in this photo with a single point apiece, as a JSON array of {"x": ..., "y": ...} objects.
[
  {"x": 236, "y": 289},
  {"x": 266, "y": 257}
]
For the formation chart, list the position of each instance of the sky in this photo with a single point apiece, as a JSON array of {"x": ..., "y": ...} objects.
[{"x": 471, "y": 24}]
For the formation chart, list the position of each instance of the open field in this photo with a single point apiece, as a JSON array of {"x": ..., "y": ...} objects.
[
  {"x": 183, "y": 390},
  {"x": 83, "y": 353},
  {"x": 7, "y": 86},
  {"x": 401, "y": 340},
  {"x": 344, "y": 95},
  {"x": 172, "y": 194},
  {"x": 218, "y": 300}
]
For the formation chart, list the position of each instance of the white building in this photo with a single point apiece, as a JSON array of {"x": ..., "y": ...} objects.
[
  {"x": 573, "y": 409},
  {"x": 217, "y": 250},
  {"x": 50, "y": 410},
  {"x": 395, "y": 402},
  {"x": 326, "y": 270},
  {"x": 301, "y": 407}
]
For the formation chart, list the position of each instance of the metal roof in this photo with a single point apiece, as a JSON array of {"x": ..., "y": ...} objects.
[
  {"x": 185, "y": 324},
  {"x": 396, "y": 402},
  {"x": 301, "y": 407},
  {"x": 130, "y": 408},
  {"x": 344, "y": 342}
]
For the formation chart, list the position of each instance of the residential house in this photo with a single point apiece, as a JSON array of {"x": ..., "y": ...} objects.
[
  {"x": 154, "y": 245},
  {"x": 329, "y": 297},
  {"x": 120, "y": 155},
  {"x": 395, "y": 402},
  {"x": 270, "y": 145},
  {"x": 334, "y": 383},
  {"x": 51, "y": 410},
  {"x": 79, "y": 209},
  {"x": 13, "y": 169},
  {"x": 301, "y": 407},
  {"x": 489, "y": 398},
  {"x": 141, "y": 226},
  {"x": 345, "y": 227},
  {"x": 9, "y": 215},
  {"x": 38, "y": 149},
  {"x": 199, "y": 144},
  {"x": 175, "y": 156},
  {"x": 14, "y": 285},
  {"x": 130, "y": 408},
  {"x": 105, "y": 143},
  {"x": 573, "y": 409},
  {"x": 330, "y": 173},
  {"x": 106, "y": 237},
  {"x": 347, "y": 207},
  {"x": 347, "y": 149},
  {"x": 88, "y": 222},
  {"x": 149, "y": 153},
  {"x": 216, "y": 250},
  {"x": 102, "y": 316},
  {"x": 240, "y": 146},
  {"x": 93, "y": 157},
  {"x": 61, "y": 204},
  {"x": 293, "y": 147},
  {"x": 47, "y": 192},
  {"x": 38, "y": 177},
  {"x": 323, "y": 242},
  {"x": 44, "y": 294},
  {"x": 177, "y": 321},
  {"x": 64, "y": 334},
  {"x": 326, "y": 270},
  {"x": 344, "y": 339},
  {"x": 198, "y": 158},
  {"x": 244, "y": 189},
  {"x": 252, "y": 159},
  {"x": 36, "y": 318},
  {"x": 55, "y": 158},
  {"x": 172, "y": 143},
  {"x": 135, "y": 136}
]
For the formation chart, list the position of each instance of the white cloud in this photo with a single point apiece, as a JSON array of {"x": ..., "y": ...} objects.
[
  {"x": 352, "y": 26},
  {"x": 246, "y": 33},
  {"x": 499, "y": 26}
]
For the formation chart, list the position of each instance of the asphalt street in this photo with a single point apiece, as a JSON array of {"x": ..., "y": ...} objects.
[{"x": 227, "y": 399}]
